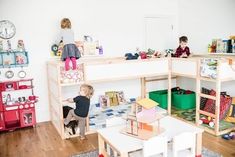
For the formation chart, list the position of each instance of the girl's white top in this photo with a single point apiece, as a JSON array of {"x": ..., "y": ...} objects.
[{"x": 67, "y": 35}]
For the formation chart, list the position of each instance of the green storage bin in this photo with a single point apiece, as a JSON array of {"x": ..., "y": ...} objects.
[
  {"x": 184, "y": 101},
  {"x": 160, "y": 96}
]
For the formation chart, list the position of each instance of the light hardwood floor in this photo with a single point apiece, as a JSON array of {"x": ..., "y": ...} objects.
[{"x": 44, "y": 141}]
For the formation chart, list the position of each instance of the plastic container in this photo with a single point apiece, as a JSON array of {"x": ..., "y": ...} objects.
[
  {"x": 184, "y": 101},
  {"x": 160, "y": 96}
]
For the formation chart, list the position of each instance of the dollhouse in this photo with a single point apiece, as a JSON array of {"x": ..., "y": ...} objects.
[{"x": 138, "y": 122}]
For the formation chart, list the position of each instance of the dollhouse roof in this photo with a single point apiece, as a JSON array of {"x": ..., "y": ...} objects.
[{"x": 147, "y": 103}]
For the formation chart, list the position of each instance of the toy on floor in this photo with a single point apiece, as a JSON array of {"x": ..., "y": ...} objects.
[
  {"x": 229, "y": 136},
  {"x": 208, "y": 121}
]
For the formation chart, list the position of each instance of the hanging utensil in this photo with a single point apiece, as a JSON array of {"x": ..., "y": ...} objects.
[
  {"x": 9, "y": 74},
  {"x": 21, "y": 73}
]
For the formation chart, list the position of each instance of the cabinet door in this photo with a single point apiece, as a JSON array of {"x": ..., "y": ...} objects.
[
  {"x": 2, "y": 123},
  {"x": 27, "y": 117},
  {"x": 11, "y": 115}
]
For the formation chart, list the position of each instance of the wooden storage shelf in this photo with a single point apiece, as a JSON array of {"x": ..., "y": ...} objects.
[
  {"x": 207, "y": 96},
  {"x": 207, "y": 113},
  {"x": 190, "y": 68},
  {"x": 222, "y": 54}
]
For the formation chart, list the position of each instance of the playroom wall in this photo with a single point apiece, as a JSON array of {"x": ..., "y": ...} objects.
[
  {"x": 203, "y": 21},
  {"x": 118, "y": 25}
]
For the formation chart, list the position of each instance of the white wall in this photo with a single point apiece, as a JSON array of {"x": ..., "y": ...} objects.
[
  {"x": 204, "y": 20},
  {"x": 117, "y": 24}
]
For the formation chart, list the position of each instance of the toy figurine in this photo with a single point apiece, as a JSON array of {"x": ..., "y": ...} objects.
[
  {"x": 8, "y": 45},
  {"x": 20, "y": 45}
]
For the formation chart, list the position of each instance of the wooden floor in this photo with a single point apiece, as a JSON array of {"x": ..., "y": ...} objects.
[{"x": 44, "y": 141}]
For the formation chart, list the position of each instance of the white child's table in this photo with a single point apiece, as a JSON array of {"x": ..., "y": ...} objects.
[{"x": 123, "y": 144}]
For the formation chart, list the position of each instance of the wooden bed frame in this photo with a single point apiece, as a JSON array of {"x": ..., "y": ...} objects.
[
  {"x": 192, "y": 70},
  {"x": 148, "y": 70},
  {"x": 107, "y": 69}
]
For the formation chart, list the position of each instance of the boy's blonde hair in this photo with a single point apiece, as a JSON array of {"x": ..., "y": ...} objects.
[
  {"x": 89, "y": 91},
  {"x": 65, "y": 23}
]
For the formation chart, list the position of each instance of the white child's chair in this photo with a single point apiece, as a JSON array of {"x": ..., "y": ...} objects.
[
  {"x": 114, "y": 121},
  {"x": 184, "y": 145},
  {"x": 155, "y": 147}
]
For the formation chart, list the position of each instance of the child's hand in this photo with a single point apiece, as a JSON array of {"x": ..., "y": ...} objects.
[
  {"x": 184, "y": 55},
  {"x": 69, "y": 100}
]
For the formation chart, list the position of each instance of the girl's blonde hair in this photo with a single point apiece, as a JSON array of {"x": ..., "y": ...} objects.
[
  {"x": 89, "y": 91},
  {"x": 65, "y": 23}
]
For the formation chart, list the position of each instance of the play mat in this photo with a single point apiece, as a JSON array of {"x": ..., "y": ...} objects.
[{"x": 190, "y": 116}]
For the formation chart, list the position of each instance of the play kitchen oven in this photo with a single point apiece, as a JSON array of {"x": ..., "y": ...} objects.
[{"x": 17, "y": 104}]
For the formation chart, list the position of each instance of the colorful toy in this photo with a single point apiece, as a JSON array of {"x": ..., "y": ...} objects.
[
  {"x": 143, "y": 55},
  {"x": 20, "y": 45},
  {"x": 130, "y": 56},
  {"x": 138, "y": 122},
  {"x": 208, "y": 121},
  {"x": 229, "y": 136}
]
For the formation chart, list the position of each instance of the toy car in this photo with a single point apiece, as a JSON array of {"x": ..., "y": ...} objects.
[{"x": 208, "y": 121}]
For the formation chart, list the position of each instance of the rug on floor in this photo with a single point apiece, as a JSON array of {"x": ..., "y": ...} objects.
[{"x": 94, "y": 153}]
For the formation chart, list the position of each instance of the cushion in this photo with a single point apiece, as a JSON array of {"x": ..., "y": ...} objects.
[
  {"x": 225, "y": 103},
  {"x": 231, "y": 113}
]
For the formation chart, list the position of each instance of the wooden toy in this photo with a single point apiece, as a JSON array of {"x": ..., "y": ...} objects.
[{"x": 139, "y": 121}]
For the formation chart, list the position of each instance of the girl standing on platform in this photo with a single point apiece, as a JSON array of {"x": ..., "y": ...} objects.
[{"x": 70, "y": 50}]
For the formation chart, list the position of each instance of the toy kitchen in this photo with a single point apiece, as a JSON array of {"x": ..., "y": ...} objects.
[{"x": 17, "y": 104}]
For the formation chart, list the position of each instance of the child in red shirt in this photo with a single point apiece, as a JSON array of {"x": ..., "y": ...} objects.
[{"x": 183, "y": 50}]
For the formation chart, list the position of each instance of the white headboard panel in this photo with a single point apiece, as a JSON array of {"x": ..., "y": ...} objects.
[{"x": 125, "y": 69}]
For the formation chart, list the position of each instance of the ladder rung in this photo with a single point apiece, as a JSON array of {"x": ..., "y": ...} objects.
[
  {"x": 207, "y": 113},
  {"x": 158, "y": 79},
  {"x": 207, "y": 79},
  {"x": 207, "y": 96}
]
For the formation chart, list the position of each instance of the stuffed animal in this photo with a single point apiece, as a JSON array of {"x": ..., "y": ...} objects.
[{"x": 130, "y": 56}]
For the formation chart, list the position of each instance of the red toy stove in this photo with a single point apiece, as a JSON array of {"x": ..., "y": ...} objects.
[{"x": 17, "y": 112}]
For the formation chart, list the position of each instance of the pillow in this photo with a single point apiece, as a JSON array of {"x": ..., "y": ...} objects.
[
  {"x": 231, "y": 113},
  {"x": 225, "y": 102}
]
